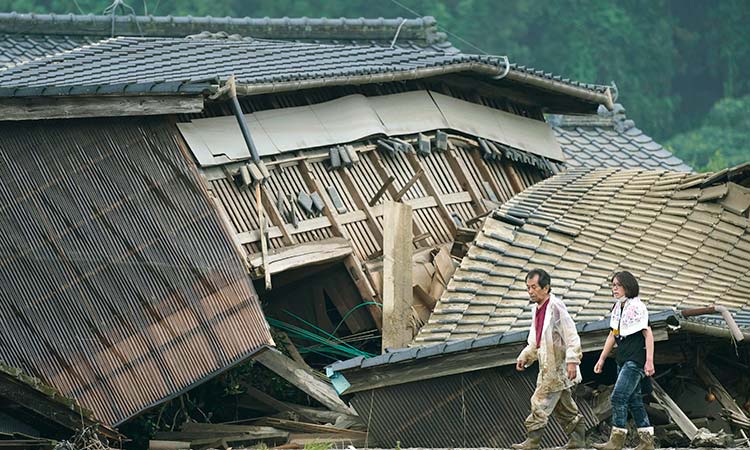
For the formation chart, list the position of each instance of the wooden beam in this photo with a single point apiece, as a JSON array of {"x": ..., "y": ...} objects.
[
  {"x": 414, "y": 178},
  {"x": 429, "y": 185},
  {"x": 360, "y": 202},
  {"x": 275, "y": 215},
  {"x": 484, "y": 172},
  {"x": 674, "y": 411},
  {"x": 397, "y": 274},
  {"x": 37, "y": 108},
  {"x": 263, "y": 236},
  {"x": 314, "y": 185},
  {"x": 302, "y": 379},
  {"x": 374, "y": 200},
  {"x": 462, "y": 174},
  {"x": 377, "y": 163},
  {"x": 301, "y": 255}
]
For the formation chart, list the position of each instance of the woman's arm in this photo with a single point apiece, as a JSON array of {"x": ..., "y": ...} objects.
[
  {"x": 648, "y": 368},
  {"x": 608, "y": 344}
]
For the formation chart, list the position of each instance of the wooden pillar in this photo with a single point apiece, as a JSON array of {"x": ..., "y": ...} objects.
[{"x": 397, "y": 274}]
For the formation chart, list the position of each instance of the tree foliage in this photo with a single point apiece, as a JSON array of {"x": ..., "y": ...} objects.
[
  {"x": 721, "y": 140},
  {"x": 671, "y": 59}
]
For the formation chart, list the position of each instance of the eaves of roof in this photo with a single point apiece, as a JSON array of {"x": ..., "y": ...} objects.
[{"x": 425, "y": 352}]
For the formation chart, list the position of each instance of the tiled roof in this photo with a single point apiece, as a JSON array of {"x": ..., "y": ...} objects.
[
  {"x": 609, "y": 139},
  {"x": 150, "y": 62},
  {"x": 28, "y": 36},
  {"x": 684, "y": 236}
]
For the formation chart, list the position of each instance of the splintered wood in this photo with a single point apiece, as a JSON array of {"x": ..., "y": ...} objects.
[{"x": 397, "y": 275}]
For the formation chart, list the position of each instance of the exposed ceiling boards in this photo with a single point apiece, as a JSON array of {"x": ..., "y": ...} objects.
[{"x": 217, "y": 141}]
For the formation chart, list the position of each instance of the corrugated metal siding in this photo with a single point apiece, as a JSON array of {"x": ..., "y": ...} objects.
[
  {"x": 478, "y": 409},
  {"x": 119, "y": 285}
]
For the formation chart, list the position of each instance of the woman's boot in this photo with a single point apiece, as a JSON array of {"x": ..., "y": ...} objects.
[
  {"x": 616, "y": 440},
  {"x": 646, "y": 436},
  {"x": 532, "y": 441}
]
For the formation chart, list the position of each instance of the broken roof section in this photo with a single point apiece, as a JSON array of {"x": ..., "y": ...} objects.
[
  {"x": 120, "y": 289},
  {"x": 610, "y": 139},
  {"x": 24, "y": 37},
  {"x": 685, "y": 238}
]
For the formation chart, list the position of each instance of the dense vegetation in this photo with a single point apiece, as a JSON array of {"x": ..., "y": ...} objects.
[{"x": 680, "y": 65}]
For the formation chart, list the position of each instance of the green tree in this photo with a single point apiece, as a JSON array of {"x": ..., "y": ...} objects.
[{"x": 722, "y": 139}]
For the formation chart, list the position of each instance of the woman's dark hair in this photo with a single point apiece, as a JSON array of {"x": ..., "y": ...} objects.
[
  {"x": 544, "y": 278},
  {"x": 628, "y": 282}
]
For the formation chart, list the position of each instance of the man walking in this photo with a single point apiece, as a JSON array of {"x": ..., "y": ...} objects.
[{"x": 554, "y": 342}]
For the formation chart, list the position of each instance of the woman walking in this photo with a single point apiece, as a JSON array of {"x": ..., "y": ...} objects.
[{"x": 635, "y": 361}]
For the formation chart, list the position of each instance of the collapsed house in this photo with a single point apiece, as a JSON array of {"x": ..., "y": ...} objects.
[
  {"x": 685, "y": 238},
  {"x": 148, "y": 224}
]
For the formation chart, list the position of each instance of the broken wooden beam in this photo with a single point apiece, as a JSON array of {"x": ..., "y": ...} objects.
[
  {"x": 298, "y": 376},
  {"x": 674, "y": 411},
  {"x": 397, "y": 275}
]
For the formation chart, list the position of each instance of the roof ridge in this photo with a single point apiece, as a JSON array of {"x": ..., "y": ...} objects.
[
  {"x": 615, "y": 119},
  {"x": 421, "y": 29}
]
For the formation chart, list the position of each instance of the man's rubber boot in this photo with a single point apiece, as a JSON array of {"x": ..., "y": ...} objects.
[
  {"x": 532, "y": 440},
  {"x": 646, "y": 436},
  {"x": 577, "y": 437},
  {"x": 616, "y": 440}
]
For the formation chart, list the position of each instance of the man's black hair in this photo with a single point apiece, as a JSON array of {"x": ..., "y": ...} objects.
[{"x": 544, "y": 278}]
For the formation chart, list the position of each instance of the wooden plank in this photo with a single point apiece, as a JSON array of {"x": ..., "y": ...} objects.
[
  {"x": 429, "y": 185},
  {"x": 310, "y": 427},
  {"x": 316, "y": 223},
  {"x": 298, "y": 376},
  {"x": 307, "y": 254},
  {"x": 397, "y": 274},
  {"x": 674, "y": 411},
  {"x": 99, "y": 106},
  {"x": 168, "y": 445}
]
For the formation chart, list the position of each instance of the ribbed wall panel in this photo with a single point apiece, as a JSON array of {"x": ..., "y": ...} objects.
[
  {"x": 120, "y": 286},
  {"x": 482, "y": 409}
]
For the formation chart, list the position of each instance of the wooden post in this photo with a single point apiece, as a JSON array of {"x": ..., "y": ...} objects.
[
  {"x": 263, "y": 235},
  {"x": 397, "y": 274}
]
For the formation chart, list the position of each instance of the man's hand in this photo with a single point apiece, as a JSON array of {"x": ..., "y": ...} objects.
[
  {"x": 649, "y": 368},
  {"x": 520, "y": 365},
  {"x": 599, "y": 366},
  {"x": 572, "y": 372}
]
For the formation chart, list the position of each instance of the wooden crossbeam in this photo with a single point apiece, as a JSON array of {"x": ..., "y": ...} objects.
[{"x": 408, "y": 185}]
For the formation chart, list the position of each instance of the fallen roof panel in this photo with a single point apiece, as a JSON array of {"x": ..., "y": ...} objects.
[{"x": 121, "y": 287}]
